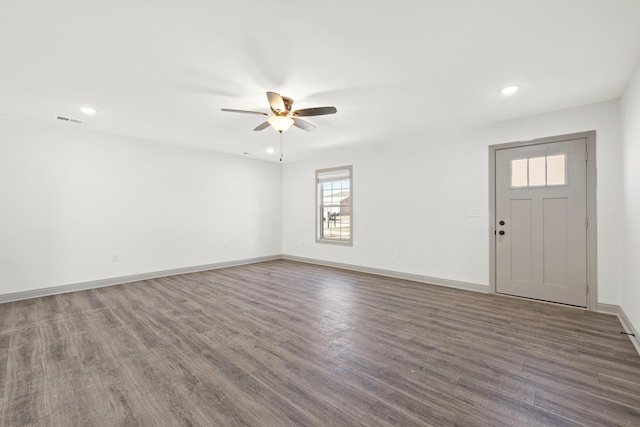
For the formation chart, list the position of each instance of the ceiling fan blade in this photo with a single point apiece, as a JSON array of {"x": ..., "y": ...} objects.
[
  {"x": 231, "y": 110},
  {"x": 262, "y": 126},
  {"x": 276, "y": 102},
  {"x": 304, "y": 125},
  {"x": 317, "y": 111}
]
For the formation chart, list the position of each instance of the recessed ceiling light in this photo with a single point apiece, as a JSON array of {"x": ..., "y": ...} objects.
[
  {"x": 88, "y": 110},
  {"x": 270, "y": 150},
  {"x": 509, "y": 90}
]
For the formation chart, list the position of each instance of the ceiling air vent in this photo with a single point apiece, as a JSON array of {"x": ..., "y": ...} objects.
[{"x": 68, "y": 119}]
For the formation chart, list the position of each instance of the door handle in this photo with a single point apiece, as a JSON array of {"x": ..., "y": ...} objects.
[{"x": 501, "y": 232}]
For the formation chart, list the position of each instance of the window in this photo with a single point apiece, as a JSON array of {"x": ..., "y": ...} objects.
[
  {"x": 334, "y": 205},
  {"x": 547, "y": 171}
]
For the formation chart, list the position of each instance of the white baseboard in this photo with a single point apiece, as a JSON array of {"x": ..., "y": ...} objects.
[
  {"x": 395, "y": 274},
  {"x": 43, "y": 292},
  {"x": 624, "y": 320},
  {"x": 608, "y": 309},
  {"x": 602, "y": 308},
  {"x": 37, "y": 293}
]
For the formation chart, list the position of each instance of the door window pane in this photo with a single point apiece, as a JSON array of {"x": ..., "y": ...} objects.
[
  {"x": 537, "y": 171},
  {"x": 556, "y": 170},
  {"x": 519, "y": 173}
]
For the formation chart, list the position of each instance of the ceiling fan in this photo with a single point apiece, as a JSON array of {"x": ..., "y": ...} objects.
[{"x": 283, "y": 117}]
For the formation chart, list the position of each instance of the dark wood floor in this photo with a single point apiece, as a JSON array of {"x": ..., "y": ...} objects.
[{"x": 288, "y": 344}]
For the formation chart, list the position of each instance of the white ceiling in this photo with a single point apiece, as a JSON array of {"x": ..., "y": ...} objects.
[{"x": 161, "y": 70}]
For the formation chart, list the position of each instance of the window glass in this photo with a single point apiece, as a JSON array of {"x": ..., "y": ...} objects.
[
  {"x": 334, "y": 221},
  {"x": 519, "y": 173},
  {"x": 539, "y": 171},
  {"x": 556, "y": 170}
]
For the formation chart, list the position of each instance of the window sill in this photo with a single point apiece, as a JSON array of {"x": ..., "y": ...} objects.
[{"x": 335, "y": 242}]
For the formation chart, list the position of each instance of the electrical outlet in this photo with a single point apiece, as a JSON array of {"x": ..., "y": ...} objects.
[{"x": 473, "y": 212}]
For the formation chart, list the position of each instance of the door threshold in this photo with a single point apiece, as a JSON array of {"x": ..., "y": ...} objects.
[{"x": 557, "y": 304}]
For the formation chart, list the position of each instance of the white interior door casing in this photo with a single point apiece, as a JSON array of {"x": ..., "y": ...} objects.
[{"x": 541, "y": 198}]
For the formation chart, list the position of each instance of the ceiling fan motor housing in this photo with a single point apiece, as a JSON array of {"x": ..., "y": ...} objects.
[{"x": 288, "y": 102}]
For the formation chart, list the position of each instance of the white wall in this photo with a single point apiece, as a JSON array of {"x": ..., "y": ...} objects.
[
  {"x": 433, "y": 180},
  {"x": 70, "y": 199},
  {"x": 630, "y": 236}
]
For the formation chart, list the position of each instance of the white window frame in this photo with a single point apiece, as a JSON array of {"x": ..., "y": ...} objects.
[{"x": 331, "y": 175}]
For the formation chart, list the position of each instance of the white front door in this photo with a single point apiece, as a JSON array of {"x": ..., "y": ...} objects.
[{"x": 541, "y": 221}]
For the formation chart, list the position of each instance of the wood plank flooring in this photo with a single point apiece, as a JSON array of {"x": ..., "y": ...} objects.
[{"x": 289, "y": 344}]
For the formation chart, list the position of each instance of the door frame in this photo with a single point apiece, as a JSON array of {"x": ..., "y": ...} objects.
[{"x": 592, "y": 267}]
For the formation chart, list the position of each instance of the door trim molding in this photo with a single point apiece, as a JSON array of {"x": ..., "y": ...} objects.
[{"x": 592, "y": 265}]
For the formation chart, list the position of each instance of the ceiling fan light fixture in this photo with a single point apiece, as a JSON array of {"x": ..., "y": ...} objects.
[{"x": 280, "y": 123}]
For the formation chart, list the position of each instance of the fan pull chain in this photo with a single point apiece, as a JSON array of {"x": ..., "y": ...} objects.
[{"x": 281, "y": 144}]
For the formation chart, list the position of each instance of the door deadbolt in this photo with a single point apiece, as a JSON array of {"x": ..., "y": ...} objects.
[{"x": 501, "y": 223}]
